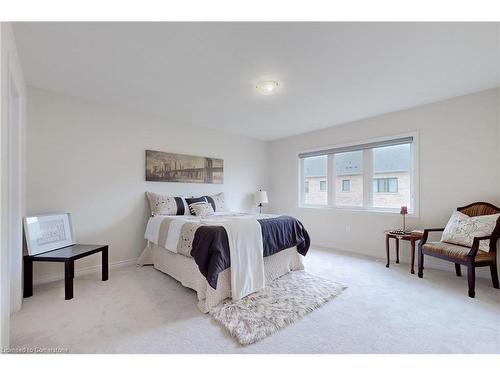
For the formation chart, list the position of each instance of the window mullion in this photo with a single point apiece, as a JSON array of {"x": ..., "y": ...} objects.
[
  {"x": 367, "y": 180},
  {"x": 302, "y": 184},
  {"x": 331, "y": 180},
  {"x": 413, "y": 175}
]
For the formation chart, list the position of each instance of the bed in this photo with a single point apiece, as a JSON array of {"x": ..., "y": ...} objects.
[{"x": 219, "y": 256}]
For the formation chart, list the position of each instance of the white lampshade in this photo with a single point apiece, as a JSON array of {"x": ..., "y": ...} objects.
[{"x": 261, "y": 197}]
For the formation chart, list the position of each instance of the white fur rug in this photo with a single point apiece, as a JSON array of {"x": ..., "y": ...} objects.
[{"x": 279, "y": 304}]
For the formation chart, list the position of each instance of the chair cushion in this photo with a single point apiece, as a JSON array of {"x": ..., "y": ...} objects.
[{"x": 455, "y": 251}]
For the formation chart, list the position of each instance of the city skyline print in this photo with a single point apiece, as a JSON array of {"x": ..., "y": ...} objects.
[{"x": 170, "y": 167}]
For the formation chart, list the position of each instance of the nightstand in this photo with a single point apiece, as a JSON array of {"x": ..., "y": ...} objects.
[{"x": 412, "y": 236}]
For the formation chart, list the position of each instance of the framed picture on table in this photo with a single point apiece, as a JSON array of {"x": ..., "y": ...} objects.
[{"x": 48, "y": 232}]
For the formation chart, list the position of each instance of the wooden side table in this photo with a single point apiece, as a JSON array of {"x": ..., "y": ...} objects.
[
  {"x": 413, "y": 237},
  {"x": 66, "y": 255}
]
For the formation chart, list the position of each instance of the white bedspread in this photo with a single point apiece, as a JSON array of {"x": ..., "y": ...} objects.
[
  {"x": 245, "y": 244},
  {"x": 247, "y": 256},
  {"x": 172, "y": 227}
]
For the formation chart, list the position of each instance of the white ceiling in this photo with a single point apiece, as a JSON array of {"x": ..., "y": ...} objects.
[{"x": 204, "y": 73}]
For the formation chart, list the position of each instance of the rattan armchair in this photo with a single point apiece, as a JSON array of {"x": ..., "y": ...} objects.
[{"x": 471, "y": 257}]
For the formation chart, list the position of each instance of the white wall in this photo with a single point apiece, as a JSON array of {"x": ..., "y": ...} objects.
[
  {"x": 12, "y": 182},
  {"x": 88, "y": 159},
  {"x": 459, "y": 150}
]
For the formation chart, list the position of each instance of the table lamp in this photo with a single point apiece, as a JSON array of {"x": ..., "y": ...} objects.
[
  {"x": 404, "y": 212},
  {"x": 260, "y": 199}
]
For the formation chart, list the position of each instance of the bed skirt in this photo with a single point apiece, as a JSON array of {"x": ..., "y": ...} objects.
[{"x": 185, "y": 270}]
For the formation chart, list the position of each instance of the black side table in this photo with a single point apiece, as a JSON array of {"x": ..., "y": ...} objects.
[{"x": 67, "y": 255}]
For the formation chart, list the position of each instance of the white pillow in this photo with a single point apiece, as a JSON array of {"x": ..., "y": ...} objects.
[
  {"x": 461, "y": 229},
  {"x": 202, "y": 209},
  {"x": 217, "y": 201}
]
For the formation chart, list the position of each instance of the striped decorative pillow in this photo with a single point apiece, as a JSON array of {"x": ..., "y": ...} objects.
[
  {"x": 191, "y": 201},
  {"x": 217, "y": 201},
  {"x": 165, "y": 205},
  {"x": 202, "y": 209}
]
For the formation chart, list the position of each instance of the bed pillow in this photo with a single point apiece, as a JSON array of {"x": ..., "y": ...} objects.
[
  {"x": 217, "y": 201},
  {"x": 191, "y": 201},
  {"x": 461, "y": 229},
  {"x": 202, "y": 209},
  {"x": 165, "y": 205}
]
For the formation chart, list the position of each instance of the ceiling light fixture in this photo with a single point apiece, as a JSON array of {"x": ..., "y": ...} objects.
[{"x": 267, "y": 87}]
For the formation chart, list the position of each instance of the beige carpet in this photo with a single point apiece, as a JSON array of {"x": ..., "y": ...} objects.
[{"x": 140, "y": 310}]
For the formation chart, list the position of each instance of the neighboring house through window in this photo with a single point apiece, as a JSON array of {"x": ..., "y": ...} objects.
[{"x": 314, "y": 170}]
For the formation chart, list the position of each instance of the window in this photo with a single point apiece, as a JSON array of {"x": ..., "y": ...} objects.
[
  {"x": 314, "y": 171},
  {"x": 385, "y": 185},
  {"x": 346, "y": 186},
  {"x": 348, "y": 164},
  {"x": 392, "y": 176},
  {"x": 377, "y": 176}
]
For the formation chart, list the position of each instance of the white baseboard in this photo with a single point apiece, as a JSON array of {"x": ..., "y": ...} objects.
[{"x": 83, "y": 271}]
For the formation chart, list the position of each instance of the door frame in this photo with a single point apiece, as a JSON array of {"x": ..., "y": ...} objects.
[
  {"x": 12, "y": 171},
  {"x": 15, "y": 189}
]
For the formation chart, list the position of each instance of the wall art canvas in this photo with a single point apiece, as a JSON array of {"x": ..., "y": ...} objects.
[
  {"x": 48, "y": 232},
  {"x": 168, "y": 167}
]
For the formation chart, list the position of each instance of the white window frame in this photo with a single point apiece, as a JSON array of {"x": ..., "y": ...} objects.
[{"x": 367, "y": 178}]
